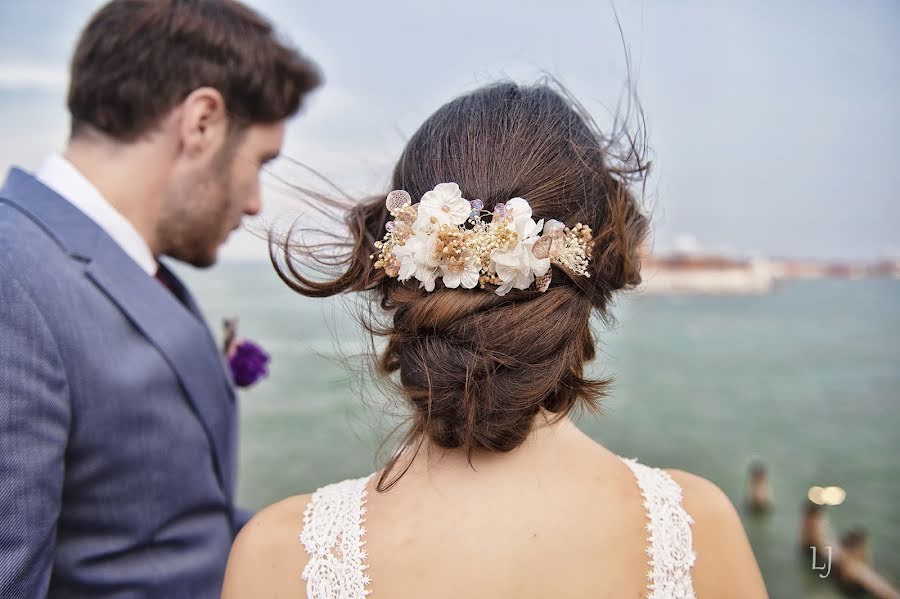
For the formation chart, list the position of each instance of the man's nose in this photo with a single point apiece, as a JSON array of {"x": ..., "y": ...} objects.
[{"x": 254, "y": 205}]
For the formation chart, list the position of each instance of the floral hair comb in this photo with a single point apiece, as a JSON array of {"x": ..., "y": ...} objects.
[{"x": 445, "y": 236}]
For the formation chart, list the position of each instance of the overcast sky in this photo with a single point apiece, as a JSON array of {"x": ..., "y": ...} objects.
[{"x": 775, "y": 126}]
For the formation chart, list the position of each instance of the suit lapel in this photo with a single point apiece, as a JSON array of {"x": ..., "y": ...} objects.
[
  {"x": 177, "y": 330},
  {"x": 180, "y": 337},
  {"x": 193, "y": 308}
]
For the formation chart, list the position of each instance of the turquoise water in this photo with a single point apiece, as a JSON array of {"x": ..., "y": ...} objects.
[{"x": 807, "y": 378}]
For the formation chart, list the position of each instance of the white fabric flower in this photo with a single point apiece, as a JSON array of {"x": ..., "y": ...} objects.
[
  {"x": 517, "y": 208},
  {"x": 467, "y": 277},
  {"x": 553, "y": 225},
  {"x": 416, "y": 258},
  {"x": 427, "y": 277},
  {"x": 518, "y": 266},
  {"x": 444, "y": 203}
]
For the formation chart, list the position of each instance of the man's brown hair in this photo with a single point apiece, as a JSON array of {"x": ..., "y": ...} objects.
[{"x": 137, "y": 59}]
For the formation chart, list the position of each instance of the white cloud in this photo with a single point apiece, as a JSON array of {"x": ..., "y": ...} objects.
[
  {"x": 16, "y": 76},
  {"x": 735, "y": 99}
]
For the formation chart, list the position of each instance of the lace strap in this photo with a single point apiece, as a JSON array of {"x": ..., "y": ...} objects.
[
  {"x": 669, "y": 525},
  {"x": 333, "y": 536}
]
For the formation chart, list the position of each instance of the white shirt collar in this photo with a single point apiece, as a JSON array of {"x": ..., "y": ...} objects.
[{"x": 61, "y": 176}]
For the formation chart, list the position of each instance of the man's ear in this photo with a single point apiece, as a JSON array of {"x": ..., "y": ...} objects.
[{"x": 204, "y": 121}]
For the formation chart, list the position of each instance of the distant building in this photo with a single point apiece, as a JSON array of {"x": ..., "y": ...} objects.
[
  {"x": 713, "y": 275},
  {"x": 689, "y": 271},
  {"x": 885, "y": 268}
]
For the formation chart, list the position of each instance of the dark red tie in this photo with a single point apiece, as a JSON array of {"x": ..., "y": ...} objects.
[
  {"x": 168, "y": 283},
  {"x": 162, "y": 279}
]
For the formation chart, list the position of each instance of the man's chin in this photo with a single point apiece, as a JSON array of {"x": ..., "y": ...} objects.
[
  {"x": 206, "y": 261},
  {"x": 197, "y": 260}
]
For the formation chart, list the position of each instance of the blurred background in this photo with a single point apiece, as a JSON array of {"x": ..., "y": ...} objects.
[{"x": 767, "y": 330}]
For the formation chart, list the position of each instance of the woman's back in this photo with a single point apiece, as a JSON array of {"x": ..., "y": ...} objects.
[{"x": 560, "y": 516}]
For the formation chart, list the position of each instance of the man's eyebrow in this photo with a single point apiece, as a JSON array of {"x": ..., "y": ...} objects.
[{"x": 270, "y": 157}]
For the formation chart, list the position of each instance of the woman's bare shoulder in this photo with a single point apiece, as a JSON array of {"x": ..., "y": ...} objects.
[
  {"x": 267, "y": 557},
  {"x": 725, "y": 563}
]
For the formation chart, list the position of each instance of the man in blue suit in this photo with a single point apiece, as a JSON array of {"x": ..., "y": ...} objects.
[{"x": 117, "y": 416}]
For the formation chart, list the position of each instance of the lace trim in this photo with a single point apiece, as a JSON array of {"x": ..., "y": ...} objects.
[
  {"x": 670, "y": 541},
  {"x": 333, "y": 536}
]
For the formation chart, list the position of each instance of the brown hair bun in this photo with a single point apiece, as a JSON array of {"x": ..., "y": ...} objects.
[{"x": 475, "y": 367}]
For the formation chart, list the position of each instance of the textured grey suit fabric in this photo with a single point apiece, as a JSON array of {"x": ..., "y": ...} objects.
[{"x": 117, "y": 417}]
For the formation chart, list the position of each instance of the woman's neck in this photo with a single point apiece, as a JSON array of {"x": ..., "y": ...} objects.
[{"x": 548, "y": 439}]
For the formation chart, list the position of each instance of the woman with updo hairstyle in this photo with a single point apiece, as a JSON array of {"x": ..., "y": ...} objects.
[{"x": 493, "y": 491}]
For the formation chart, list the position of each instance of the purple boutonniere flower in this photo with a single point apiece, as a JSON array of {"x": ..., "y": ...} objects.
[{"x": 248, "y": 363}]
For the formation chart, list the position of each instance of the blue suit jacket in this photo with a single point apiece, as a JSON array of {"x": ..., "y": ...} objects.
[{"x": 117, "y": 417}]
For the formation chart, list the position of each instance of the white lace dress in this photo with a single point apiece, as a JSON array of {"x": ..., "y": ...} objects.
[{"x": 333, "y": 536}]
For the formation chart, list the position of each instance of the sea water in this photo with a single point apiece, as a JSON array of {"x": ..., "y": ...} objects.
[{"x": 806, "y": 379}]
